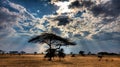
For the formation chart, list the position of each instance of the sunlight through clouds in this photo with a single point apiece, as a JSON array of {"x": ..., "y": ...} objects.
[
  {"x": 88, "y": 23},
  {"x": 63, "y": 7}
]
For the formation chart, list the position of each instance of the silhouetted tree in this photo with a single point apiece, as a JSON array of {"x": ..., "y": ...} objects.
[
  {"x": 107, "y": 53},
  {"x": 82, "y": 53},
  {"x": 51, "y": 39},
  {"x": 72, "y": 54},
  {"x": 22, "y": 52},
  {"x": 35, "y": 53},
  {"x": 13, "y": 52},
  {"x": 2, "y": 52},
  {"x": 61, "y": 54},
  {"x": 100, "y": 56},
  {"x": 50, "y": 54},
  {"x": 89, "y": 53}
]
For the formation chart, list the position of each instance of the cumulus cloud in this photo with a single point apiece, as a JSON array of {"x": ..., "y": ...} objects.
[
  {"x": 15, "y": 21},
  {"x": 86, "y": 28},
  {"x": 86, "y": 23},
  {"x": 63, "y": 20},
  {"x": 80, "y": 3},
  {"x": 105, "y": 18},
  {"x": 11, "y": 18},
  {"x": 74, "y": 4},
  {"x": 110, "y": 8},
  {"x": 98, "y": 8}
]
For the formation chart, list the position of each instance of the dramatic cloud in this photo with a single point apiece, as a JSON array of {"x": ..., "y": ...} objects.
[
  {"x": 107, "y": 36},
  {"x": 15, "y": 21},
  {"x": 63, "y": 20},
  {"x": 81, "y": 3},
  {"x": 110, "y": 8},
  {"x": 87, "y": 28},
  {"x": 93, "y": 25},
  {"x": 74, "y": 4}
]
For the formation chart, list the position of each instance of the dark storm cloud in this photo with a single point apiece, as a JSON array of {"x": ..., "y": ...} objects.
[
  {"x": 77, "y": 4},
  {"x": 63, "y": 20},
  {"x": 74, "y": 4},
  {"x": 103, "y": 36},
  {"x": 110, "y": 8}
]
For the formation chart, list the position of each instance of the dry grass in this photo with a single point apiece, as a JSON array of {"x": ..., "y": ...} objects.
[{"x": 39, "y": 61}]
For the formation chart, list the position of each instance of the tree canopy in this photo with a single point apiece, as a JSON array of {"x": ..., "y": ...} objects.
[{"x": 50, "y": 38}]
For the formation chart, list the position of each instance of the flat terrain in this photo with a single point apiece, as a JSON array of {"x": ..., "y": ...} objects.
[{"x": 68, "y": 61}]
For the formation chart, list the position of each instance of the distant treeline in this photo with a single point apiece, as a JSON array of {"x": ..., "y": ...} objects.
[
  {"x": 16, "y": 52},
  {"x": 107, "y": 53},
  {"x": 72, "y": 53}
]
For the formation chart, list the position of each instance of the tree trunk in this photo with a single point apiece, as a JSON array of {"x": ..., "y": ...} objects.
[{"x": 50, "y": 58}]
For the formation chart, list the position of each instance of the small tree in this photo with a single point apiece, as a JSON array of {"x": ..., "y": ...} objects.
[
  {"x": 51, "y": 39},
  {"x": 35, "y": 53},
  {"x": 2, "y": 52},
  {"x": 89, "y": 53},
  {"x": 82, "y": 53},
  {"x": 22, "y": 52}
]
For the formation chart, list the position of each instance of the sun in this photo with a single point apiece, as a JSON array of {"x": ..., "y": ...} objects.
[{"x": 63, "y": 7}]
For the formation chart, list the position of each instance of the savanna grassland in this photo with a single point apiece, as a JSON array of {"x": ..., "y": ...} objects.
[{"x": 68, "y": 61}]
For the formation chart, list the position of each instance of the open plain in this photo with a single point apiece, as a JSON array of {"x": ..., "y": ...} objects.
[{"x": 68, "y": 61}]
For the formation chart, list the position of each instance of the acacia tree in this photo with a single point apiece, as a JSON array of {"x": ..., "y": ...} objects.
[{"x": 51, "y": 39}]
